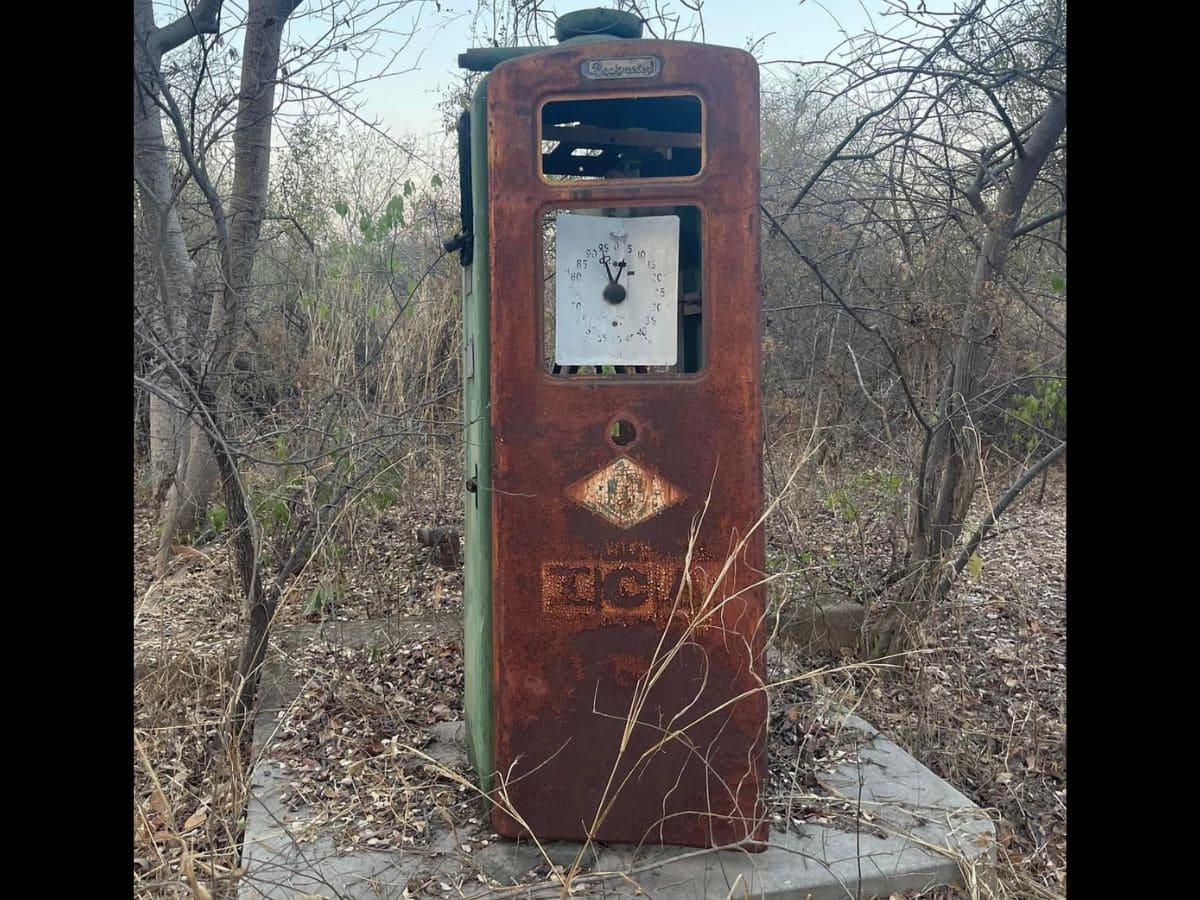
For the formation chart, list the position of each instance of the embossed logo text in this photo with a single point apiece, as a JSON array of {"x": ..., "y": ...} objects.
[
  {"x": 629, "y": 581},
  {"x": 622, "y": 67}
]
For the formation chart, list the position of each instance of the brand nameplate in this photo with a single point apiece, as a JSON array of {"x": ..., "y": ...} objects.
[{"x": 622, "y": 67}]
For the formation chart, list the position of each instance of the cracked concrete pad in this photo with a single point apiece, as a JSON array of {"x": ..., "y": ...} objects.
[
  {"x": 277, "y": 866},
  {"x": 921, "y": 832}
]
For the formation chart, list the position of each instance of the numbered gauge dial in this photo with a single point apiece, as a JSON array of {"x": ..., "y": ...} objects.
[{"x": 615, "y": 290}]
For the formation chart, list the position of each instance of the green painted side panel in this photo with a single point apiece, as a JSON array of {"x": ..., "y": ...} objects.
[{"x": 477, "y": 525}]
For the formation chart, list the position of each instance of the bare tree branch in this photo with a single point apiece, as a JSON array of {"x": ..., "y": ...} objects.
[
  {"x": 954, "y": 569},
  {"x": 853, "y": 313},
  {"x": 862, "y": 121},
  {"x": 204, "y": 19},
  {"x": 1034, "y": 224}
]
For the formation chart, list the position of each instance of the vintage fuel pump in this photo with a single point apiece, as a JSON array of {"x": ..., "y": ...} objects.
[{"x": 614, "y": 608}]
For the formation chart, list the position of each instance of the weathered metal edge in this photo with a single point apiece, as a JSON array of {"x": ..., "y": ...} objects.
[{"x": 477, "y": 457}]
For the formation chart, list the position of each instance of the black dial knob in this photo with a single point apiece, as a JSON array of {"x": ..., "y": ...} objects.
[{"x": 613, "y": 292}]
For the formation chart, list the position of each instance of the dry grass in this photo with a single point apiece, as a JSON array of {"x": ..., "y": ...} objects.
[
  {"x": 984, "y": 704},
  {"x": 189, "y": 795},
  {"x": 364, "y": 385},
  {"x": 188, "y": 799},
  {"x": 983, "y": 708}
]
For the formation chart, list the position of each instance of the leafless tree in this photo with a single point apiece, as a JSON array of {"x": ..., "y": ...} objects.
[
  {"x": 947, "y": 157},
  {"x": 194, "y": 326},
  {"x": 219, "y": 107}
]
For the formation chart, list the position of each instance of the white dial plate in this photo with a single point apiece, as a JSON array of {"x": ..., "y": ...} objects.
[{"x": 641, "y": 329}]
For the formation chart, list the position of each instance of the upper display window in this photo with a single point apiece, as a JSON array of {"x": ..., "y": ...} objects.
[{"x": 622, "y": 137}]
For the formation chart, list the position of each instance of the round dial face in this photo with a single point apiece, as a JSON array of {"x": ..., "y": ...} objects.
[{"x": 616, "y": 290}]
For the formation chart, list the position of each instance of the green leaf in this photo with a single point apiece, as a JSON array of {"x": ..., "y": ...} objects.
[
  {"x": 975, "y": 566},
  {"x": 317, "y": 598},
  {"x": 408, "y": 188},
  {"x": 393, "y": 215},
  {"x": 1057, "y": 283},
  {"x": 341, "y": 207},
  {"x": 436, "y": 180},
  {"x": 217, "y": 517}
]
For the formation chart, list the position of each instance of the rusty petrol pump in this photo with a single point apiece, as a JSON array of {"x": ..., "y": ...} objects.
[{"x": 614, "y": 645}]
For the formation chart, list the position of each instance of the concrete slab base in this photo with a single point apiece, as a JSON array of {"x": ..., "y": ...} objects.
[{"x": 922, "y": 832}]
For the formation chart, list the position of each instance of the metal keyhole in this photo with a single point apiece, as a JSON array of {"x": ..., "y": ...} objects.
[{"x": 622, "y": 432}]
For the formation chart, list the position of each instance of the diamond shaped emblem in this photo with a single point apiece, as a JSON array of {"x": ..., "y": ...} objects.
[{"x": 625, "y": 493}]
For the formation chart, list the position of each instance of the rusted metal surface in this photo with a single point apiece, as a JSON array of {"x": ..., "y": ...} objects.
[{"x": 594, "y": 614}]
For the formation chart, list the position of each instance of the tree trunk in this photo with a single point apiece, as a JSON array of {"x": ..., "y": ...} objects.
[
  {"x": 252, "y": 156},
  {"x": 207, "y": 452},
  {"x": 191, "y": 492},
  {"x": 238, "y": 239},
  {"x": 174, "y": 268},
  {"x": 976, "y": 338},
  {"x": 166, "y": 433},
  {"x": 952, "y": 461},
  {"x": 248, "y": 203},
  {"x": 186, "y": 488}
]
